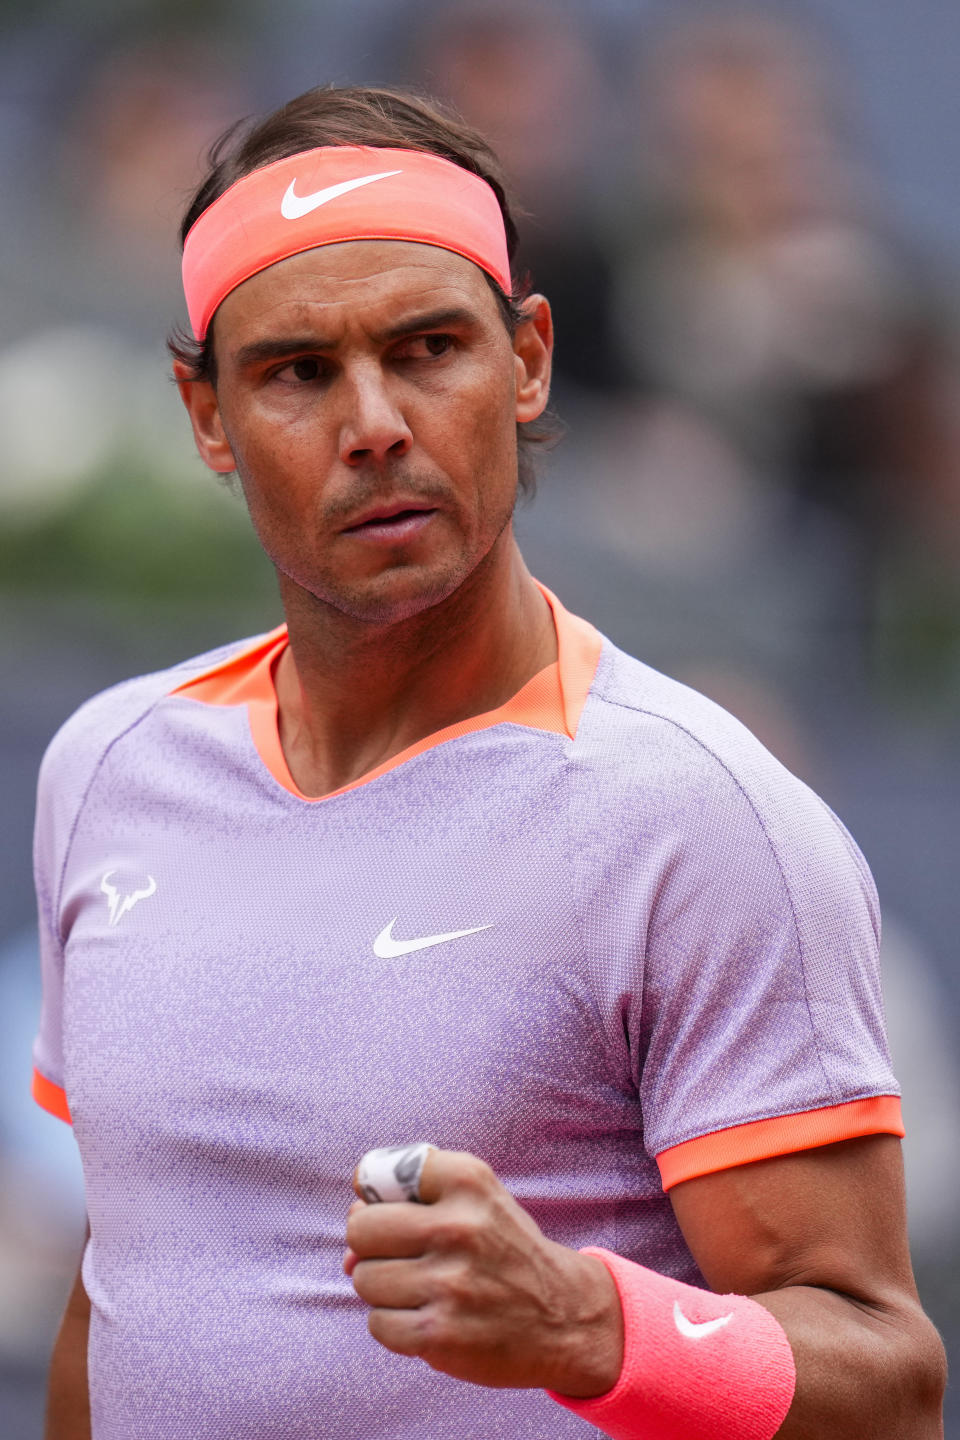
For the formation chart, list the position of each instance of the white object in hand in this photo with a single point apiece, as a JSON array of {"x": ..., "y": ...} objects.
[{"x": 393, "y": 1172}]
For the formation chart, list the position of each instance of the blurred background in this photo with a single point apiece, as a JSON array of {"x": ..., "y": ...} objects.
[{"x": 748, "y": 220}]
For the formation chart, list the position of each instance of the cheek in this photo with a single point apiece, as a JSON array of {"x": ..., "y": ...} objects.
[
  {"x": 271, "y": 447},
  {"x": 279, "y": 471},
  {"x": 279, "y": 504},
  {"x": 494, "y": 443},
  {"x": 269, "y": 432},
  {"x": 485, "y": 426}
]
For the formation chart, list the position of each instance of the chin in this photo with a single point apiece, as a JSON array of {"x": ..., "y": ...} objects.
[{"x": 393, "y": 597}]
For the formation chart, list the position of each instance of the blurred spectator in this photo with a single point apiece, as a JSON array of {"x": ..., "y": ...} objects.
[
  {"x": 759, "y": 284},
  {"x": 924, "y": 1055},
  {"x": 132, "y": 153},
  {"x": 527, "y": 76}
]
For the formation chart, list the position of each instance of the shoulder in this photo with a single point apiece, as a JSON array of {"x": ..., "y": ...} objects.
[
  {"x": 79, "y": 747},
  {"x": 647, "y": 728},
  {"x": 691, "y": 769},
  {"x": 100, "y": 721}
]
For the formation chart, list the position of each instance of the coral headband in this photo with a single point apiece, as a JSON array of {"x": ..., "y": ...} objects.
[{"x": 336, "y": 193}]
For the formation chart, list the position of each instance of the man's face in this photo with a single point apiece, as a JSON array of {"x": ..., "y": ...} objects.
[{"x": 368, "y": 395}]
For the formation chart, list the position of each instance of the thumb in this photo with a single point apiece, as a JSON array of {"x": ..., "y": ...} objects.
[
  {"x": 394, "y": 1172},
  {"x": 421, "y": 1172},
  {"x": 446, "y": 1171}
]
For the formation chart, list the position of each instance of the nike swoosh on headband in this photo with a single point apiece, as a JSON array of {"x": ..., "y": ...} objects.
[
  {"x": 385, "y": 947},
  {"x": 294, "y": 207}
]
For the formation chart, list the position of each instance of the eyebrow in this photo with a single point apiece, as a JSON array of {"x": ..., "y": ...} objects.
[{"x": 258, "y": 352}]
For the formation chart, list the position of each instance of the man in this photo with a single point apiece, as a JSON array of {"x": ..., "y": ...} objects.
[{"x": 435, "y": 861}]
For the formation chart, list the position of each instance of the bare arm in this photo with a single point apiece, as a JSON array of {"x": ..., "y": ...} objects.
[
  {"x": 819, "y": 1238},
  {"x": 68, "y": 1402},
  {"x": 471, "y": 1285}
]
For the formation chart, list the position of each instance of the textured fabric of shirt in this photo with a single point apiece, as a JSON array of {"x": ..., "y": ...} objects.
[{"x": 673, "y": 938}]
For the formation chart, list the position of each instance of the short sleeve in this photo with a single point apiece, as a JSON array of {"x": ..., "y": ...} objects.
[
  {"x": 67, "y": 776},
  {"x": 48, "y": 1086},
  {"x": 760, "y": 1028},
  {"x": 48, "y": 1068}
]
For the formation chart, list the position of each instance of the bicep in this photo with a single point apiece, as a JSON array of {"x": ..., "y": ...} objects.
[
  {"x": 833, "y": 1217},
  {"x": 819, "y": 1238}
]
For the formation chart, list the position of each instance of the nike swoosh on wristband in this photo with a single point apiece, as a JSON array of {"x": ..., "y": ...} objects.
[
  {"x": 294, "y": 207},
  {"x": 693, "y": 1331},
  {"x": 385, "y": 947}
]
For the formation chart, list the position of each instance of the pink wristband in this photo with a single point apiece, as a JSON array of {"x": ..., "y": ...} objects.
[{"x": 696, "y": 1366}]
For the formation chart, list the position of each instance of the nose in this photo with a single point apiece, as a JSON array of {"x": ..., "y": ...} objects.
[{"x": 373, "y": 427}]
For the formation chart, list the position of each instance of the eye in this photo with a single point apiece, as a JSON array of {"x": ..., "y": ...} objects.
[
  {"x": 425, "y": 347},
  {"x": 306, "y": 368}
]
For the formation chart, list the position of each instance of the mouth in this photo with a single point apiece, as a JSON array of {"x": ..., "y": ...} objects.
[{"x": 396, "y": 520}]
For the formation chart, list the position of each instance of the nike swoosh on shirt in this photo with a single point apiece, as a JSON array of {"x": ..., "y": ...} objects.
[
  {"x": 294, "y": 207},
  {"x": 385, "y": 947},
  {"x": 693, "y": 1331}
]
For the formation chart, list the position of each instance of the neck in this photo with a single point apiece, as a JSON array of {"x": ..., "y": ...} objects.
[{"x": 351, "y": 694}]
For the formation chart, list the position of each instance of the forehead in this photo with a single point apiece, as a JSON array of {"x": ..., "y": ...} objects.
[{"x": 361, "y": 281}]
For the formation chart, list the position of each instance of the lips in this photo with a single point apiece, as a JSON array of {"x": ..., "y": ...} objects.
[{"x": 389, "y": 514}]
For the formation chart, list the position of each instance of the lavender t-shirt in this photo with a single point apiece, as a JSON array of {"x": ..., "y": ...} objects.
[{"x": 672, "y": 938}]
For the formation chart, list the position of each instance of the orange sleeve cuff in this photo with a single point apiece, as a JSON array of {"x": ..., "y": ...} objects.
[
  {"x": 51, "y": 1097},
  {"x": 780, "y": 1135}
]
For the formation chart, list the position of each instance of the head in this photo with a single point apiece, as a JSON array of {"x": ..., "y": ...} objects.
[
  {"x": 744, "y": 116},
  {"x": 343, "y": 378}
]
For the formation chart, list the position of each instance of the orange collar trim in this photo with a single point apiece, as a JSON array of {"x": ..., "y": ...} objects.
[{"x": 552, "y": 700}]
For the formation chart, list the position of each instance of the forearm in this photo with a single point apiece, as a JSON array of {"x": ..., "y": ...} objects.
[
  {"x": 68, "y": 1402},
  {"x": 863, "y": 1370},
  {"x": 812, "y": 1329},
  {"x": 801, "y": 1363}
]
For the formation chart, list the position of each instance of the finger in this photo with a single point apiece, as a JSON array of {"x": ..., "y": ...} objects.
[
  {"x": 350, "y": 1259},
  {"x": 404, "y": 1332},
  {"x": 391, "y": 1284},
  {"x": 445, "y": 1172},
  {"x": 388, "y": 1231},
  {"x": 391, "y": 1172},
  {"x": 431, "y": 1187}
]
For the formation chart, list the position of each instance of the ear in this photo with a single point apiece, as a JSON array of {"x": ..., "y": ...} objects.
[
  {"x": 200, "y": 399},
  {"x": 533, "y": 352}
]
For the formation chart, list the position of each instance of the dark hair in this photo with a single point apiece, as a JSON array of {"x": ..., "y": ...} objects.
[{"x": 357, "y": 115}]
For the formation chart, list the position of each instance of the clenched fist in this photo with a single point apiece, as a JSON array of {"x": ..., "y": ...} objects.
[{"x": 467, "y": 1282}]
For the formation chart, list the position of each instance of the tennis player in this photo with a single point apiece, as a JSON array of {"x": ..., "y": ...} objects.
[{"x": 436, "y": 862}]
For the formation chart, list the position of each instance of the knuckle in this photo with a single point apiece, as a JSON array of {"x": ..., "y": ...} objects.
[
  {"x": 457, "y": 1230},
  {"x": 394, "y": 1336},
  {"x": 459, "y": 1286},
  {"x": 404, "y": 1334},
  {"x": 433, "y": 1335},
  {"x": 476, "y": 1173}
]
